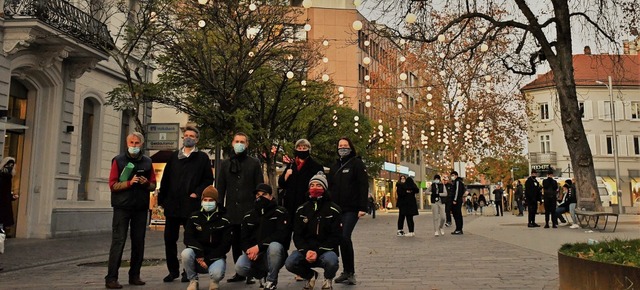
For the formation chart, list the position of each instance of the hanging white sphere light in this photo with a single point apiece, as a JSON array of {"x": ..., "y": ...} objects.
[
  {"x": 202, "y": 23},
  {"x": 402, "y": 58},
  {"x": 325, "y": 59},
  {"x": 250, "y": 71},
  {"x": 432, "y": 128},
  {"x": 367, "y": 90},
  {"x": 203, "y": 2},
  {"x": 325, "y": 43},
  {"x": 307, "y": 3},
  {"x": 403, "y": 76},
  {"x": 411, "y": 18},
  {"x": 429, "y": 96},
  {"x": 380, "y": 122},
  {"x": 429, "y": 103},
  {"x": 355, "y": 130},
  {"x": 399, "y": 99},
  {"x": 367, "y": 43},
  {"x": 251, "y": 54},
  {"x": 341, "y": 96},
  {"x": 381, "y": 140},
  {"x": 367, "y": 97},
  {"x": 441, "y": 38},
  {"x": 484, "y": 47},
  {"x": 356, "y": 118},
  {"x": 341, "y": 102},
  {"x": 366, "y": 60},
  {"x": 367, "y": 78},
  {"x": 399, "y": 91},
  {"x": 357, "y": 25},
  {"x": 307, "y": 27},
  {"x": 325, "y": 77},
  {"x": 487, "y": 78},
  {"x": 253, "y": 7},
  {"x": 304, "y": 89},
  {"x": 303, "y": 82},
  {"x": 341, "y": 89},
  {"x": 399, "y": 106},
  {"x": 429, "y": 88},
  {"x": 289, "y": 74},
  {"x": 367, "y": 104},
  {"x": 335, "y": 124}
]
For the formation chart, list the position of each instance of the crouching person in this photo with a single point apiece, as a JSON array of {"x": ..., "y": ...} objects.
[
  {"x": 266, "y": 235},
  {"x": 317, "y": 232},
  {"x": 207, "y": 236}
]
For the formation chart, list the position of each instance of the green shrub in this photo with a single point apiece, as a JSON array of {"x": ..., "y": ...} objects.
[{"x": 623, "y": 252}]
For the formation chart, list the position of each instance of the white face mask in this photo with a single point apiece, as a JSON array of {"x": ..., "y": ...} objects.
[
  {"x": 436, "y": 181},
  {"x": 209, "y": 205},
  {"x": 133, "y": 150}
]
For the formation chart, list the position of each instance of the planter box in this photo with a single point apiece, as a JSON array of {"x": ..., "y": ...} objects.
[{"x": 583, "y": 274}]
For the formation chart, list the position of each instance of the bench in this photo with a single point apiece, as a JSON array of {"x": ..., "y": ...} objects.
[{"x": 586, "y": 217}]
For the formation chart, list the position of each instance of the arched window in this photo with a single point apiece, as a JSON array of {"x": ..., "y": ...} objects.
[{"x": 90, "y": 115}]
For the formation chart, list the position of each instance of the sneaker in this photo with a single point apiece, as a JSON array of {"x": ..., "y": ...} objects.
[
  {"x": 531, "y": 226},
  {"x": 457, "y": 233},
  {"x": 447, "y": 224},
  {"x": 574, "y": 226},
  {"x": 327, "y": 284},
  {"x": 250, "y": 281},
  {"x": 437, "y": 233},
  {"x": 170, "y": 277},
  {"x": 399, "y": 234},
  {"x": 441, "y": 232},
  {"x": 236, "y": 278},
  {"x": 411, "y": 234},
  {"x": 184, "y": 278},
  {"x": 213, "y": 285},
  {"x": 352, "y": 279},
  {"x": 343, "y": 277},
  {"x": 311, "y": 282},
  {"x": 193, "y": 285},
  {"x": 270, "y": 286},
  {"x": 298, "y": 278}
]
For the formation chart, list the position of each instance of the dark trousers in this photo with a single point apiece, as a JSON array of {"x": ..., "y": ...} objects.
[
  {"x": 171, "y": 235},
  {"x": 457, "y": 214},
  {"x": 499, "y": 210},
  {"x": 349, "y": 221},
  {"x": 121, "y": 220},
  {"x": 410, "y": 223},
  {"x": 532, "y": 208},
  {"x": 550, "y": 210},
  {"x": 520, "y": 207},
  {"x": 236, "y": 248},
  {"x": 447, "y": 210}
]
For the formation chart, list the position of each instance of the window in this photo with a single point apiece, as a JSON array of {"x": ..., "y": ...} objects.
[
  {"x": 544, "y": 111},
  {"x": 636, "y": 145},
  {"x": 295, "y": 32},
  {"x": 90, "y": 115},
  {"x": 607, "y": 110},
  {"x": 581, "y": 108},
  {"x": 635, "y": 110},
  {"x": 609, "y": 144},
  {"x": 545, "y": 143}
]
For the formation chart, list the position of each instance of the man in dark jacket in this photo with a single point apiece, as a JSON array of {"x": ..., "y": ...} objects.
[
  {"x": 239, "y": 176},
  {"x": 533, "y": 196},
  {"x": 186, "y": 175},
  {"x": 317, "y": 233},
  {"x": 130, "y": 180},
  {"x": 550, "y": 189},
  {"x": 457, "y": 193},
  {"x": 349, "y": 183},
  {"x": 498, "y": 194},
  {"x": 519, "y": 197},
  {"x": 266, "y": 235},
  {"x": 295, "y": 179},
  {"x": 208, "y": 236}
]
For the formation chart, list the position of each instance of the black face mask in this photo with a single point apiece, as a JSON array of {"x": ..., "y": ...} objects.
[
  {"x": 301, "y": 154},
  {"x": 262, "y": 203}
]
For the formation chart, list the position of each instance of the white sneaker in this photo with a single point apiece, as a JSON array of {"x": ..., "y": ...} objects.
[
  {"x": 574, "y": 226},
  {"x": 213, "y": 285},
  {"x": 327, "y": 284},
  {"x": 400, "y": 234},
  {"x": 411, "y": 234},
  {"x": 193, "y": 285},
  {"x": 441, "y": 232},
  {"x": 437, "y": 233}
]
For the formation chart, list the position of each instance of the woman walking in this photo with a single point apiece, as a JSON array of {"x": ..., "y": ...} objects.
[
  {"x": 438, "y": 201},
  {"x": 406, "y": 190}
]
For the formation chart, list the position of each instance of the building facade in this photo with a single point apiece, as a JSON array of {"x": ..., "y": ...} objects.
[
  {"x": 547, "y": 146},
  {"x": 54, "y": 80}
]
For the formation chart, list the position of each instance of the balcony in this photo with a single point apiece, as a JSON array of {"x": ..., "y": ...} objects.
[
  {"x": 54, "y": 24},
  {"x": 543, "y": 158}
]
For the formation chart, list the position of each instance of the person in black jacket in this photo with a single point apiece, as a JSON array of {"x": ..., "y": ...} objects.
[
  {"x": 130, "y": 180},
  {"x": 295, "y": 179},
  {"x": 266, "y": 235},
  {"x": 550, "y": 189},
  {"x": 317, "y": 232},
  {"x": 239, "y": 176},
  {"x": 438, "y": 200},
  {"x": 186, "y": 175},
  {"x": 533, "y": 196},
  {"x": 207, "y": 235},
  {"x": 498, "y": 194},
  {"x": 457, "y": 193},
  {"x": 406, "y": 190},
  {"x": 349, "y": 183},
  {"x": 519, "y": 197}
]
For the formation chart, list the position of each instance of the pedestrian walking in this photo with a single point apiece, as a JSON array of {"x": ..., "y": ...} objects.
[
  {"x": 186, "y": 175},
  {"x": 130, "y": 180},
  {"x": 457, "y": 192},
  {"x": 7, "y": 172},
  {"x": 438, "y": 200},
  {"x": 240, "y": 174},
  {"x": 406, "y": 190},
  {"x": 519, "y": 198},
  {"x": 474, "y": 200},
  {"x": 349, "y": 183},
  {"x": 372, "y": 205},
  {"x": 533, "y": 196},
  {"x": 550, "y": 189},
  {"x": 482, "y": 202},
  {"x": 208, "y": 237},
  {"x": 449, "y": 201},
  {"x": 498, "y": 194}
]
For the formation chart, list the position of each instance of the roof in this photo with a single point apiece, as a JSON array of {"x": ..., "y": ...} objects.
[{"x": 588, "y": 68}]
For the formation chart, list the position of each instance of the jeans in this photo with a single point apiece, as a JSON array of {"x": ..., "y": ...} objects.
[
  {"x": 268, "y": 264},
  {"x": 571, "y": 210},
  {"x": 438, "y": 215},
  {"x": 171, "y": 235},
  {"x": 520, "y": 207},
  {"x": 216, "y": 269},
  {"x": 457, "y": 215},
  {"x": 410, "y": 223},
  {"x": 297, "y": 264},
  {"x": 349, "y": 220},
  {"x": 122, "y": 218}
]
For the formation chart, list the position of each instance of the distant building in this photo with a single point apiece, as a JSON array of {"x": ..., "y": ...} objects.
[{"x": 547, "y": 146}]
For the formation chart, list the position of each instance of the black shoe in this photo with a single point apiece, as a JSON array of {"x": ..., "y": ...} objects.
[
  {"x": 236, "y": 278},
  {"x": 112, "y": 285},
  {"x": 546, "y": 226},
  {"x": 531, "y": 225},
  {"x": 171, "y": 277},
  {"x": 457, "y": 233},
  {"x": 536, "y": 225},
  {"x": 250, "y": 281},
  {"x": 136, "y": 281},
  {"x": 555, "y": 226},
  {"x": 184, "y": 278}
]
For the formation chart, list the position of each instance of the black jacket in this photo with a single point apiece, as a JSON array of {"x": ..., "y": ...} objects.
[
  {"x": 498, "y": 194},
  {"x": 297, "y": 185},
  {"x": 318, "y": 226},
  {"x": 261, "y": 228},
  {"x": 532, "y": 190},
  {"x": 235, "y": 188},
  {"x": 568, "y": 198},
  {"x": 407, "y": 197},
  {"x": 349, "y": 184},
  {"x": 181, "y": 178},
  {"x": 209, "y": 234},
  {"x": 437, "y": 189},
  {"x": 550, "y": 188},
  {"x": 519, "y": 192},
  {"x": 135, "y": 196},
  {"x": 457, "y": 190}
]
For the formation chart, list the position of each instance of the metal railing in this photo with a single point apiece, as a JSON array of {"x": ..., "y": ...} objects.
[{"x": 63, "y": 16}]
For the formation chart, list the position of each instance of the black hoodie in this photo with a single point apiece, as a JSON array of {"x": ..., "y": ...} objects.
[{"x": 349, "y": 183}]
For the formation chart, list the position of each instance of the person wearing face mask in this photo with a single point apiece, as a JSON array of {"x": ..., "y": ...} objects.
[
  {"x": 317, "y": 233},
  {"x": 457, "y": 192},
  {"x": 406, "y": 190},
  {"x": 266, "y": 235},
  {"x": 239, "y": 175},
  {"x": 438, "y": 200},
  {"x": 131, "y": 179},
  {"x": 207, "y": 237},
  {"x": 349, "y": 183},
  {"x": 186, "y": 175}
]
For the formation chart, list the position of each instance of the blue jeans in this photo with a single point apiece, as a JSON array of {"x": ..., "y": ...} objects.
[
  {"x": 268, "y": 264},
  {"x": 297, "y": 264},
  {"x": 349, "y": 221},
  {"x": 571, "y": 210},
  {"x": 216, "y": 270}
]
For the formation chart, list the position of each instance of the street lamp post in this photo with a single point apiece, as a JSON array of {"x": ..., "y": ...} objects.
[{"x": 614, "y": 142}]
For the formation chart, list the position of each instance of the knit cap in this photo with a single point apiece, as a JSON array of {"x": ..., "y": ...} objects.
[
  {"x": 210, "y": 191},
  {"x": 320, "y": 178}
]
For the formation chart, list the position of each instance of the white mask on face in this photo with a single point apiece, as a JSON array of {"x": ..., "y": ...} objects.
[{"x": 209, "y": 205}]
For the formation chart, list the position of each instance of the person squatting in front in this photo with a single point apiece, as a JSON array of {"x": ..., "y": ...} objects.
[
  {"x": 266, "y": 235},
  {"x": 317, "y": 232},
  {"x": 208, "y": 237}
]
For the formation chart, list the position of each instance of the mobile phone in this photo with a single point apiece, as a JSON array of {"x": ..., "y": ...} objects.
[{"x": 140, "y": 172}]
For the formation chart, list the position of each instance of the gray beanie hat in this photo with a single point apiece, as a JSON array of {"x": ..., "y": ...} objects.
[{"x": 321, "y": 178}]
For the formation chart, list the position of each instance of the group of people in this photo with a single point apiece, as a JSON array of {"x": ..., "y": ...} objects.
[
  {"x": 240, "y": 214},
  {"x": 556, "y": 201}
]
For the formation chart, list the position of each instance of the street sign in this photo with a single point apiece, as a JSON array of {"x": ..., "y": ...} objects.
[{"x": 163, "y": 136}]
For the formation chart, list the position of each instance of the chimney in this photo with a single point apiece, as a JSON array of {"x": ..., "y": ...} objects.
[{"x": 587, "y": 50}]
